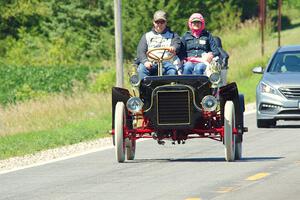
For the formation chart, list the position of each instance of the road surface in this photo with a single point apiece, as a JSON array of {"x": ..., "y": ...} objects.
[{"x": 270, "y": 169}]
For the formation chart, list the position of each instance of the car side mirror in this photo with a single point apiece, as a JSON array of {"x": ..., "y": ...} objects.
[{"x": 258, "y": 70}]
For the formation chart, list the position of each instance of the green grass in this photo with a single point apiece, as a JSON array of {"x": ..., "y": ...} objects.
[
  {"x": 248, "y": 87},
  {"x": 54, "y": 121},
  {"x": 28, "y": 143},
  {"x": 53, "y": 112}
]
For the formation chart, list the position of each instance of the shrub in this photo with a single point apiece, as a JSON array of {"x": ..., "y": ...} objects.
[
  {"x": 103, "y": 82},
  {"x": 285, "y": 22},
  {"x": 19, "y": 83}
]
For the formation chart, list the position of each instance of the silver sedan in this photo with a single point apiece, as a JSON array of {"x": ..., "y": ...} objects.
[{"x": 278, "y": 92}]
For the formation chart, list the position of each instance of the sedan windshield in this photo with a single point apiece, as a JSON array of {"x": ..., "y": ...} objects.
[{"x": 285, "y": 62}]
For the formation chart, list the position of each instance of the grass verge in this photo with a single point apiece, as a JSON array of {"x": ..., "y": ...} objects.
[
  {"x": 56, "y": 121},
  {"x": 31, "y": 142}
]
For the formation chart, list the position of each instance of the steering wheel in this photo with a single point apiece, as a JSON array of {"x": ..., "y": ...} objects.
[{"x": 164, "y": 50}]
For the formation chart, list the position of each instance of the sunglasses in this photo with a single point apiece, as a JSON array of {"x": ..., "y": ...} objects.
[
  {"x": 160, "y": 22},
  {"x": 196, "y": 22}
]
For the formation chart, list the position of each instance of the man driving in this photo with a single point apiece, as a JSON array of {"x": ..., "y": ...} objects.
[{"x": 159, "y": 36}]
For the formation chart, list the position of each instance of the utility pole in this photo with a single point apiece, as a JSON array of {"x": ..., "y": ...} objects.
[
  {"x": 279, "y": 21},
  {"x": 118, "y": 43},
  {"x": 262, "y": 17}
]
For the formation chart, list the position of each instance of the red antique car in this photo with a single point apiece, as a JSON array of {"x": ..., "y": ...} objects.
[{"x": 178, "y": 108}]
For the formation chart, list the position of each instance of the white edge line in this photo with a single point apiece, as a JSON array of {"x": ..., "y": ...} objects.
[{"x": 56, "y": 159}]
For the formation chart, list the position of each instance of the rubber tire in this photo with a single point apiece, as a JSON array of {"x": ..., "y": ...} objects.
[
  {"x": 242, "y": 102},
  {"x": 238, "y": 145},
  {"x": 130, "y": 148},
  {"x": 265, "y": 123},
  {"x": 229, "y": 125},
  {"x": 113, "y": 139},
  {"x": 238, "y": 149},
  {"x": 120, "y": 120}
]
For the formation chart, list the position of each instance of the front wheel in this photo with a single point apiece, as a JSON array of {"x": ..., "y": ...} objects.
[
  {"x": 238, "y": 148},
  {"x": 130, "y": 148},
  {"x": 120, "y": 122},
  {"x": 229, "y": 125},
  {"x": 240, "y": 126}
]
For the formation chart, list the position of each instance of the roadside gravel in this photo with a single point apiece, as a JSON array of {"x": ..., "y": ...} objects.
[
  {"x": 64, "y": 152},
  {"x": 54, "y": 154}
]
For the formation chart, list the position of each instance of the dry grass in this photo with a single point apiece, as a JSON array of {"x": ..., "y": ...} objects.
[{"x": 53, "y": 112}]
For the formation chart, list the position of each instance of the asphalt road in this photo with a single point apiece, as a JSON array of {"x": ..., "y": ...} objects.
[{"x": 270, "y": 169}]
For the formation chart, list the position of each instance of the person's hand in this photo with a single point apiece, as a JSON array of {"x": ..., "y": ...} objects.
[
  {"x": 148, "y": 64},
  {"x": 208, "y": 57},
  {"x": 172, "y": 49}
]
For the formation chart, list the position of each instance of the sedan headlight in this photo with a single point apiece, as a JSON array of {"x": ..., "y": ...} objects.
[
  {"x": 265, "y": 88},
  {"x": 134, "y": 104},
  {"x": 209, "y": 103}
]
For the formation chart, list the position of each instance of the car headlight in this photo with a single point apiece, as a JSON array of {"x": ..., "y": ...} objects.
[
  {"x": 134, "y": 104},
  {"x": 215, "y": 78},
  {"x": 209, "y": 103},
  {"x": 134, "y": 80},
  {"x": 264, "y": 88}
]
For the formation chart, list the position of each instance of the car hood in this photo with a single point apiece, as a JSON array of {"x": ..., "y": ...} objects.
[{"x": 282, "y": 79}]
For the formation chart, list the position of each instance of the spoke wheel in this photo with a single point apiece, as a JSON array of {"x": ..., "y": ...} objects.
[
  {"x": 229, "y": 125},
  {"x": 120, "y": 122}
]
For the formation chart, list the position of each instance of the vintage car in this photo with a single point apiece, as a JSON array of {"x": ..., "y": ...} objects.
[{"x": 177, "y": 108}]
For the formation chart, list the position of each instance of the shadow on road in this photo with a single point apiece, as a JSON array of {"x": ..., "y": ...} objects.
[
  {"x": 259, "y": 159},
  {"x": 220, "y": 159}
]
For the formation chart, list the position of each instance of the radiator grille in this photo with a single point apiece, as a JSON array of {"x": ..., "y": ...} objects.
[
  {"x": 173, "y": 107},
  {"x": 290, "y": 112},
  {"x": 290, "y": 93}
]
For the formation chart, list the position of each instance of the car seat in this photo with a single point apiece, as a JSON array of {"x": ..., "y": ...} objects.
[
  {"x": 292, "y": 63},
  {"x": 224, "y": 56}
]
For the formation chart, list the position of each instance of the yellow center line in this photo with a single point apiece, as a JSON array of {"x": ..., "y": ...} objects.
[
  {"x": 193, "y": 199},
  {"x": 257, "y": 176},
  {"x": 225, "y": 189}
]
